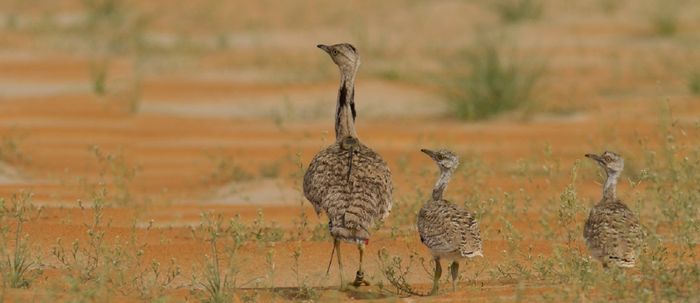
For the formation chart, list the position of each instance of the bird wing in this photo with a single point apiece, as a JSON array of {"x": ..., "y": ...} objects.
[
  {"x": 614, "y": 231},
  {"x": 445, "y": 228},
  {"x": 470, "y": 240},
  {"x": 319, "y": 177}
]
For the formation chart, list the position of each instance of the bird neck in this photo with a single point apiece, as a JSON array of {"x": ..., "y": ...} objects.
[
  {"x": 441, "y": 184},
  {"x": 345, "y": 108},
  {"x": 610, "y": 185}
]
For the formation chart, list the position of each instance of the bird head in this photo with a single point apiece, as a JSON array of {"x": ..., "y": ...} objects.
[
  {"x": 445, "y": 159},
  {"x": 611, "y": 162},
  {"x": 344, "y": 55}
]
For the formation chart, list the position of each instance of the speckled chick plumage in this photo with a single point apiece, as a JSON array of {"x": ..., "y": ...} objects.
[
  {"x": 449, "y": 231},
  {"x": 347, "y": 180},
  {"x": 612, "y": 232}
]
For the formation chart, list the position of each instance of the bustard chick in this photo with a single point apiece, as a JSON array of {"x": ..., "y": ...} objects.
[
  {"x": 347, "y": 180},
  {"x": 612, "y": 232},
  {"x": 449, "y": 231}
]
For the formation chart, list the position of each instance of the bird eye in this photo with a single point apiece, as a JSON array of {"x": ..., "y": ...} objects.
[{"x": 334, "y": 51}]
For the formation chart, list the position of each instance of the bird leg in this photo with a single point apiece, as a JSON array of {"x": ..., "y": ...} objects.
[
  {"x": 330, "y": 261},
  {"x": 436, "y": 278},
  {"x": 336, "y": 247},
  {"x": 454, "y": 270},
  {"x": 360, "y": 276}
]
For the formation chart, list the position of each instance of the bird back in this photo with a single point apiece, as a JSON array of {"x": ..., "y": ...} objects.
[{"x": 352, "y": 184}]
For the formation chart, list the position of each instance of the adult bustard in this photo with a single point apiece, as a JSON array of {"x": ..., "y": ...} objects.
[
  {"x": 449, "y": 231},
  {"x": 347, "y": 180},
  {"x": 612, "y": 232}
]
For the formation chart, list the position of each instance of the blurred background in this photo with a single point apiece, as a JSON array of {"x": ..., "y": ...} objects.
[{"x": 189, "y": 92}]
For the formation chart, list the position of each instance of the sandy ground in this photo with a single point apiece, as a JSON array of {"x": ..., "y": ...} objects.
[{"x": 223, "y": 130}]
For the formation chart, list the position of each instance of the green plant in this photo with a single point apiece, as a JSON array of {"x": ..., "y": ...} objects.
[
  {"x": 130, "y": 274},
  {"x": 694, "y": 82},
  {"x": 513, "y": 11},
  {"x": 84, "y": 262},
  {"x": 270, "y": 170},
  {"x": 10, "y": 150},
  {"x": 152, "y": 281},
  {"x": 320, "y": 233},
  {"x": 610, "y": 6},
  {"x": 218, "y": 280},
  {"x": 569, "y": 209},
  {"x": 303, "y": 291},
  {"x": 226, "y": 170},
  {"x": 396, "y": 273},
  {"x": 111, "y": 29},
  {"x": 664, "y": 18},
  {"x": 264, "y": 233},
  {"x": 98, "y": 73},
  {"x": 116, "y": 171},
  {"x": 487, "y": 81},
  {"x": 17, "y": 267}
]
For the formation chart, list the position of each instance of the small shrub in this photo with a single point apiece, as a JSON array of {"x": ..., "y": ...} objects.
[
  {"x": 111, "y": 29},
  {"x": 271, "y": 170},
  {"x": 264, "y": 233},
  {"x": 513, "y": 11},
  {"x": 16, "y": 265},
  {"x": 10, "y": 151},
  {"x": 395, "y": 272},
  {"x": 98, "y": 74},
  {"x": 86, "y": 262},
  {"x": 226, "y": 170},
  {"x": 664, "y": 18},
  {"x": 217, "y": 281},
  {"x": 303, "y": 291},
  {"x": 694, "y": 83},
  {"x": 610, "y": 6},
  {"x": 320, "y": 233},
  {"x": 489, "y": 81},
  {"x": 115, "y": 170}
]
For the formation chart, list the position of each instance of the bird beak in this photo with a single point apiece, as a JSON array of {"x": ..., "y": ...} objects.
[
  {"x": 428, "y": 152},
  {"x": 324, "y": 47},
  {"x": 595, "y": 157}
]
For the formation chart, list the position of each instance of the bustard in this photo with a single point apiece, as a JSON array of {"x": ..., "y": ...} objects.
[
  {"x": 612, "y": 232},
  {"x": 347, "y": 180},
  {"x": 449, "y": 231}
]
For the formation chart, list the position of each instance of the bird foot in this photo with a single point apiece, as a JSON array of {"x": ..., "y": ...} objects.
[{"x": 359, "y": 280}]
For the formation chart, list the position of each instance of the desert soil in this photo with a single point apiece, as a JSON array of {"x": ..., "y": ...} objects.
[{"x": 222, "y": 129}]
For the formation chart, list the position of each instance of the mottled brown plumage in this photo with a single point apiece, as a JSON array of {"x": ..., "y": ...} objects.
[
  {"x": 354, "y": 201},
  {"x": 612, "y": 232},
  {"x": 347, "y": 180},
  {"x": 449, "y": 231}
]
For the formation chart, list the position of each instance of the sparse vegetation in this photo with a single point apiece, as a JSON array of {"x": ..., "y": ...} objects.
[
  {"x": 111, "y": 30},
  {"x": 610, "y": 6},
  {"x": 19, "y": 266},
  {"x": 116, "y": 173},
  {"x": 694, "y": 82},
  {"x": 10, "y": 151},
  {"x": 487, "y": 80},
  {"x": 513, "y": 11},
  {"x": 218, "y": 281},
  {"x": 663, "y": 17},
  {"x": 227, "y": 170},
  {"x": 396, "y": 273}
]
